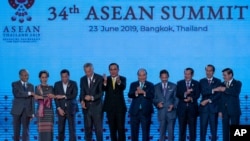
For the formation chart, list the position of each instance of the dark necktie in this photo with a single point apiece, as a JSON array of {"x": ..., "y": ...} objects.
[
  {"x": 187, "y": 84},
  {"x": 164, "y": 89},
  {"x": 90, "y": 83},
  {"x": 209, "y": 81},
  {"x": 24, "y": 86}
]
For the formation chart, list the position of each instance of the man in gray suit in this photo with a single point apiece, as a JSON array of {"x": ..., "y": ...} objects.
[
  {"x": 22, "y": 106},
  {"x": 91, "y": 101},
  {"x": 166, "y": 103}
]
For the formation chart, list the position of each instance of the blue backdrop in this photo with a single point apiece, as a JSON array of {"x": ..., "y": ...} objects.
[{"x": 156, "y": 35}]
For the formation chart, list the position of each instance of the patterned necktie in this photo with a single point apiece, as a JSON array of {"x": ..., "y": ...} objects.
[{"x": 113, "y": 82}]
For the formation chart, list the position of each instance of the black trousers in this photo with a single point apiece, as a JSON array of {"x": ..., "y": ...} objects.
[
  {"x": 116, "y": 121},
  {"x": 211, "y": 119},
  {"x": 144, "y": 121},
  {"x": 190, "y": 120},
  {"x": 93, "y": 119},
  {"x": 228, "y": 120},
  {"x": 61, "y": 126},
  {"x": 24, "y": 121}
]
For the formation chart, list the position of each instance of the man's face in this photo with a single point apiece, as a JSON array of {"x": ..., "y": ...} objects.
[
  {"x": 65, "y": 77},
  {"x": 227, "y": 77},
  {"x": 188, "y": 75},
  {"x": 89, "y": 71},
  {"x": 164, "y": 78},
  {"x": 209, "y": 72},
  {"x": 24, "y": 76},
  {"x": 142, "y": 76},
  {"x": 113, "y": 70}
]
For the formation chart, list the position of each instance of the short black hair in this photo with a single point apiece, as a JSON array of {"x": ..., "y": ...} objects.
[
  {"x": 114, "y": 64},
  {"x": 228, "y": 71},
  {"x": 190, "y": 69},
  {"x": 22, "y": 70},
  {"x": 42, "y": 72},
  {"x": 142, "y": 69},
  {"x": 65, "y": 71},
  {"x": 164, "y": 72},
  {"x": 212, "y": 66}
]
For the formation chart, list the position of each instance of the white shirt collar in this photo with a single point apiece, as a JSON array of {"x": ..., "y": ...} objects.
[
  {"x": 24, "y": 82},
  {"x": 162, "y": 84},
  {"x": 91, "y": 77},
  {"x": 230, "y": 81},
  {"x": 210, "y": 78}
]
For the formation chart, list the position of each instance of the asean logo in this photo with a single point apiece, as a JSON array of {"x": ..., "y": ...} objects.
[{"x": 21, "y": 7}]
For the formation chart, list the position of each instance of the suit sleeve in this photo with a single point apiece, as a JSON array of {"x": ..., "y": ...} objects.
[
  {"x": 132, "y": 89},
  {"x": 179, "y": 92},
  {"x": 122, "y": 86},
  {"x": 150, "y": 91},
  {"x": 216, "y": 95},
  {"x": 74, "y": 93},
  {"x": 82, "y": 94},
  {"x": 156, "y": 99},
  {"x": 17, "y": 92},
  {"x": 33, "y": 103},
  {"x": 234, "y": 90},
  {"x": 205, "y": 91},
  {"x": 176, "y": 100},
  {"x": 196, "y": 92},
  {"x": 56, "y": 93}
]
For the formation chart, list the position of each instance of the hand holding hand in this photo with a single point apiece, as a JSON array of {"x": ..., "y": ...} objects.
[
  {"x": 88, "y": 98},
  {"x": 60, "y": 96},
  {"x": 61, "y": 112},
  {"x": 38, "y": 97},
  {"x": 83, "y": 105},
  {"x": 189, "y": 91},
  {"x": 160, "y": 105},
  {"x": 51, "y": 96},
  {"x": 104, "y": 79},
  {"x": 170, "y": 107},
  {"x": 204, "y": 102},
  {"x": 188, "y": 99}
]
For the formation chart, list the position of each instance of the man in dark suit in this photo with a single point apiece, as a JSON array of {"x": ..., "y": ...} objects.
[
  {"x": 66, "y": 92},
  {"x": 141, "y": 108},
  {"x": 22, "y": 106},
  {"x": 208, "y": 109},
  {"x": 114, "y": 102},
  {"x": 166, "y": 102},
  {"x": 229, "y": 108},
  {"x": 188, "y": 92},
  {"x": 91, "y": 101}
]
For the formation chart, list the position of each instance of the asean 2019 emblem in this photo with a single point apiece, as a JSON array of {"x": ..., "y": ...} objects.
[{"x": 21, "y": 7}]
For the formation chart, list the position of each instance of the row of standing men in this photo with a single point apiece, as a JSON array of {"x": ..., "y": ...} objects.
[{"x": 219, "y": 99}]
